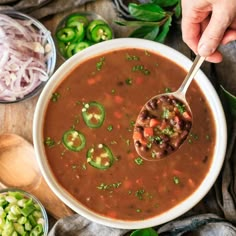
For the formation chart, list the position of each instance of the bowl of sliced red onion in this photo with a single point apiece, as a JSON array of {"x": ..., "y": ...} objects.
[{"x": 27, "y": 56}]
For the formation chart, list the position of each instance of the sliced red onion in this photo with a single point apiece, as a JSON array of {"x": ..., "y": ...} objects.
[{"x": 24, "y": 53}]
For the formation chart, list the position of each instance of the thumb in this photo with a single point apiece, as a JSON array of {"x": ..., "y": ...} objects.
[{"x": 213, "y": 33}]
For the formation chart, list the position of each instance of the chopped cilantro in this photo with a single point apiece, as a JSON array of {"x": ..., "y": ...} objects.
[
  {"x": 103, "y": 186},
  {"x": 168, "y": 131},
  {"x": 100, "y": 64},
  {"x": 181, "y": 108},
  {"x": 110, "y": 128},
  {"x": 128, "y": 81},
  {"x": 165, "y": 114},
  {"x": 139, "y": 194},
  {"x": 49, "y": 142},
  {"x": 176, "y": 180},
  {"x": 138, "y": 161},
  {"x": 132, "y": 57},
  {"x": 168, "y": 90},
  {"x": 55, "y": 97}
]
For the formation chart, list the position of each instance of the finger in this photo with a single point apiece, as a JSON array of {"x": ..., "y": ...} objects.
[
  {"x": 216, "y": 57},
  {"x": 229, "y": 36},
  {"x": 192, "y": 19},
  {"x": 214, "y": 32}
]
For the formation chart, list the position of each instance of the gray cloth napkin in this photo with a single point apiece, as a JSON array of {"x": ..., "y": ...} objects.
[{"x": 41, "y": 8}]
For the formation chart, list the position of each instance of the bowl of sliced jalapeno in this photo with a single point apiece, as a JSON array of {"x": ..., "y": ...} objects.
[{"x": 80, "y": 30}]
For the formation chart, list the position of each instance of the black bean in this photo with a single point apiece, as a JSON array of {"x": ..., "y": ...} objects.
[
  {"x": 137, "y": 144},
  {"x": 139, "y": 128},
  {"x": 163, "y": 98},
  {"x": 163, "y": 145},
  {"x": 120, "y": 83},
  {"x": 144, "y": 148},
  {"x": 152, "y": 105},
  {"x": 165, "y": 138},
  {"x": 144, "y": 115},
  {"x": 188, "y": 125},
  {"x": 184, "y": 134}
]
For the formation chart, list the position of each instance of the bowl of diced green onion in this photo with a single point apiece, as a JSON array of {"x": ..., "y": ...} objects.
[
  {"x": 80, "y": 30},
  {"x": 21, "y": 213}
]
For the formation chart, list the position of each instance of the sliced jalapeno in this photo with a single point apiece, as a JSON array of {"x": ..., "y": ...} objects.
[
  {"x": 77, "y": 18},
  {"x": 62, "y": 48},
  {"x": 93, "y": 114},
  {"x": 70, "y": 51},
  {"x": 82, "y": 45},
  {"x": 73, "y": 140},
  {"x": 79, "y": 31},
  {"x": 101, "y": 33},
  {"x": 92, "y": 25},
  {"x": 65, "y": 34},
  {"x": 100, "y": 157}
]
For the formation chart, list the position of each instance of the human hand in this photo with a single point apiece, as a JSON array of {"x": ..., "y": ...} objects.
[{"x": 208, "y": 23}]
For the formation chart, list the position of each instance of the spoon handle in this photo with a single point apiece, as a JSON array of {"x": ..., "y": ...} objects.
[{"x": 192, "y": 72}]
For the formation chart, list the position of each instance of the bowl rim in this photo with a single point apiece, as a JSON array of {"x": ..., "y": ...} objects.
[
  {"x": 202, "y": 81},
  {"x": 51, "y": 63},
  {"x": 35, "y": 199}
]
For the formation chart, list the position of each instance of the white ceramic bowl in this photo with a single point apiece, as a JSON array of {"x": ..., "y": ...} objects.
[{"x": 205, "y": 86}]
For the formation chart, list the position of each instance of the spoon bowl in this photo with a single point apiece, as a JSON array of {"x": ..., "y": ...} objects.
[{"x": 165, "y": 121}]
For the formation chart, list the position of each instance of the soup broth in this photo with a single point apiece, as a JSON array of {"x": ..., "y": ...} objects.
[{"x": 88, "y": 140}]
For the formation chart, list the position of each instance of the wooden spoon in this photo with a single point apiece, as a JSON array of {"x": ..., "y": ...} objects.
[{"x": 19, "y": 170}]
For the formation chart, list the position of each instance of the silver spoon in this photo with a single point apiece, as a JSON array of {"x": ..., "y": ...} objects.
[{"x": 155, "y": 139}]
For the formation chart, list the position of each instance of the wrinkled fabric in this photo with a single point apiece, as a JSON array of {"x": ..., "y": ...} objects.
[
  {"x": 41, "y": 8},
  {"x": 79, "y": 226}
]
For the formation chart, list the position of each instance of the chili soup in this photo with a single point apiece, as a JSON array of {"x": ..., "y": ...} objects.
[{"x": 88, "y": 136}]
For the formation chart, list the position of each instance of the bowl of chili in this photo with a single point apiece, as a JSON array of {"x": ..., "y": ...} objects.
[
  {"x": 80, "y": 30},
  {"x": 82, "y": 133}
]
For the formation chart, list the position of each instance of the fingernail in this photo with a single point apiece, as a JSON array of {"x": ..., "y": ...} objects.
[{"x": 205, "y": 50}]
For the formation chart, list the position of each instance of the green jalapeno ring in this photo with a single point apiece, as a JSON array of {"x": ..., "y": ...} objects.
[
  {"x": 92, "y": 25},
  {"x": 101, "y": 33},
  {"x": 103, "y": 160},
  {"x": 77, "y": 18},
  {"x": 65, "y": 34},
  {"x": 73, "y": 140},
  {"x": 82, "y": 45},
  {"x": 91, "y": 118}
]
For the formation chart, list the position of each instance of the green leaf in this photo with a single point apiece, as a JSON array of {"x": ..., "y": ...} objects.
[
  {"x": 137, "y": 23},
  {"x": 231, "y": 101},
  {"x": 146, "y": 32},
  {"x": 144, "y": 232},
  {"x": 178, "y": 10},
  {"x": 165, "y": 3},
  {"x": 146, "y": 12},
  {"x": 164, "y": 31}
]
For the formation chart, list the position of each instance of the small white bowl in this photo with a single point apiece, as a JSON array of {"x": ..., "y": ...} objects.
[{"x": 205, "y": 86}]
